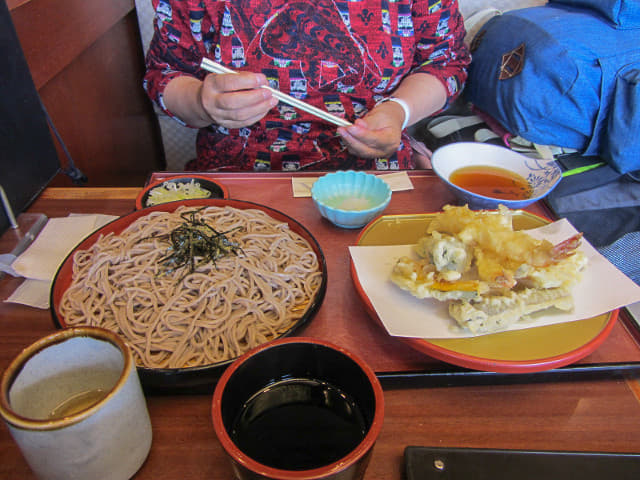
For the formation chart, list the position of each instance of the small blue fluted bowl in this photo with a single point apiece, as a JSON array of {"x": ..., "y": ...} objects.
[
  {"x": 350, "y": 199},
  {"x": 542, "y": 175}
]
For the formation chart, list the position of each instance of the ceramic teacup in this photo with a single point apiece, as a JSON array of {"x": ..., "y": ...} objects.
[{"x": 74, "y": 405}]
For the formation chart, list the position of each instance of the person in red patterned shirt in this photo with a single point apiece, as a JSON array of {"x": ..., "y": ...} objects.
[{"x": 347, "y": 57}]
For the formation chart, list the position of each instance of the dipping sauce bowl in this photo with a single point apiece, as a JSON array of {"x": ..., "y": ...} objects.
[
  {"x": 298, "y": 409},
  {"x": 539, "y": 176}
]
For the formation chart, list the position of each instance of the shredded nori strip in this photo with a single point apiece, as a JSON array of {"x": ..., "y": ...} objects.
[{"x": 195, "y": 243}]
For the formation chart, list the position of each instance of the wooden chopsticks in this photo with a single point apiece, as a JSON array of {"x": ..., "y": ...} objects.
[{"x": 213, "y": 67}]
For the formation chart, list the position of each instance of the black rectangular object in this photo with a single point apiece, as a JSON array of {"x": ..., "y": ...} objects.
[
  {"x": 431, "y": 463},
  {"x": 28, "y": 158}
]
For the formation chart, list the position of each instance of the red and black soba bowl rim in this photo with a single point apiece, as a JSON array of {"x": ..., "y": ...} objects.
[{"x": 198, "y": 378}]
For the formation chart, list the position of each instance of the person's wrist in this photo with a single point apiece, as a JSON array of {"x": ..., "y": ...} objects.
[
  {"x": 403, "y": 104},
  {"x": 204, "y": 115}
]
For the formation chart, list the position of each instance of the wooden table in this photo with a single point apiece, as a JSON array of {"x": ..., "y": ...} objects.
[{"x": 591, "y": 406}]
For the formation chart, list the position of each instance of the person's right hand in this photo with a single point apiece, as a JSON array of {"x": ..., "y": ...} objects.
[{"x": 235, "y": 100}]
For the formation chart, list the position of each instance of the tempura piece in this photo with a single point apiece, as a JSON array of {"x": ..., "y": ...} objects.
[
  {"x": 493, "y": 313},
  {"x": 445, "y": 252},
  {"x": 564, "y": 273},
  {"x": 493, "y": 233},
  {"x": 422, "y": 280},
  {"x": 492, "y": 274}
]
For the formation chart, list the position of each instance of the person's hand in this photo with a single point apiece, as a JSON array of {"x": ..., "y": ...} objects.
[
  {"x": 236, "y": 100},
  {"x": 377, "y": 134}
]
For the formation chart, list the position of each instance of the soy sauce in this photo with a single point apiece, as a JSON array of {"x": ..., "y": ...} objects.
[
  {"x": 493, "y": 182},
  {"x": 299, "y": 424}
]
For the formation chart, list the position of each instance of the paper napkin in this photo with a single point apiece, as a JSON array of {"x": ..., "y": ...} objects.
[
  {"x": 39, "y": 263},
  {"x": 397, "y": 181},
  {"x": 33, "y": 293}
]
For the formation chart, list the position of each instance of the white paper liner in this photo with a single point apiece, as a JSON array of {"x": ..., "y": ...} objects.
[{"x": 603, "y": 288}]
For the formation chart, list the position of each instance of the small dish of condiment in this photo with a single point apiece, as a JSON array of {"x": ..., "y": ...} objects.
[
  {"x": 350, "y": 199},
  {"x": 177, "y": 188},
  {"x": 484, "y": 176}
]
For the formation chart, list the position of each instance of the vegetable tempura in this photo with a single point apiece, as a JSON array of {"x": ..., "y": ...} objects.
[{"x": 493, "y": 275}]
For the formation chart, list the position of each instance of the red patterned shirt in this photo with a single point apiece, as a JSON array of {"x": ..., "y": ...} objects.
[{"x": 341, "y": 56}]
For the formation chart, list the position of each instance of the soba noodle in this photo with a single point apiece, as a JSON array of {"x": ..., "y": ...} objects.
[{"x": 218, "y": 312}]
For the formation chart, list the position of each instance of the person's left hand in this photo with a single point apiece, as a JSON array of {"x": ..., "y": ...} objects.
[{"x": 377, "y": 134}]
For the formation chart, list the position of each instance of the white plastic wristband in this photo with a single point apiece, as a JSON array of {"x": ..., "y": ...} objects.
[{"x": 403, "y": 104}]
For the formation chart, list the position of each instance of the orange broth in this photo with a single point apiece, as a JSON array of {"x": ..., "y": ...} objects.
[{"x": 492, "y": 182}]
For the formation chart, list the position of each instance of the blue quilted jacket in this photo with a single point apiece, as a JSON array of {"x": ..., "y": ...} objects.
[{"x": 563, "y": 75}]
